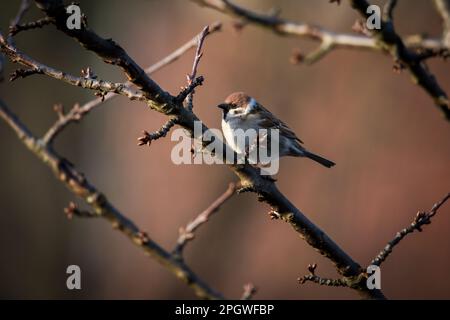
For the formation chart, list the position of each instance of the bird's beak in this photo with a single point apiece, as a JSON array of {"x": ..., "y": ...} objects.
[{"x": 224, "y": 106}]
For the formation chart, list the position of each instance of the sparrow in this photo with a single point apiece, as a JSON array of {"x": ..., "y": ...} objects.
[{"x": 240, "y": 111}]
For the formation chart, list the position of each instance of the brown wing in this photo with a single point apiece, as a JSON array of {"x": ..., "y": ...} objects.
[{"x": 270, "y": 121}]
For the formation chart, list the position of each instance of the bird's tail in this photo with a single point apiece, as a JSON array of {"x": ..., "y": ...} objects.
[{"x": 325, "y": 162}]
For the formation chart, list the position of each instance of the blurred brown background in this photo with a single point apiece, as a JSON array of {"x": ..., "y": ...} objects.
[{"x": 390, "y": 143}]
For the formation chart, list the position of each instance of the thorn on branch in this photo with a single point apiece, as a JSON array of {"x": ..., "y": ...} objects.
[
  {"x": 147, "y": 137},
  {"x": 23, "y": 73},
  {"x": 249, "y": 291}
]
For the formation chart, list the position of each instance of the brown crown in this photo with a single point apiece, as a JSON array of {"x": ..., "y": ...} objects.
[{"x": 238, "y": 99}]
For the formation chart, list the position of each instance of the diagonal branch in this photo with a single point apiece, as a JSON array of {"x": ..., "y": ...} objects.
[
  {"x": 198, "y": 56},
  {"x": 186, "y": 234},
  {"x": 79, "y": 111},
  {"x": 393, "y": 43},
  {"x": 175, "y": 55},
  {"x": 79, "y": 185},
  {"x": 421, "y": 219},
  {"x": 88, "y": 83}
]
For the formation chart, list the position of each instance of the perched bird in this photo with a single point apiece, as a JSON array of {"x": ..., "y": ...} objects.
[{"x": 241, "y": 111}]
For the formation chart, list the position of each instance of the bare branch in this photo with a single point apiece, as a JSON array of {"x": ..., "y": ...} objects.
[
  {"x": 175, "y": 55},
  {"x": 147, "y": 137},
  {"x": 186, "y": 234},
  {"x": 392, "y": 42},
  {"x": 312, "y": 277},
  {"x": 79, "y": 185},
  {"x": 198, "y": 56},
  {"x": 74, "y": 115},
  {"x": 421, "y": 219},
  {"x": 329, "y": 40},
  {"x": 88, "y": 83},
  {"x": 13, "y": 30},
  {"x": 78, "y": 111}
]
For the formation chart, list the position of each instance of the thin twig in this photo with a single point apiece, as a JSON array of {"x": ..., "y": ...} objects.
[
  {"x": 13, "y": 30},
  {"x": 197, "y": 57},
  {"x": 186, "y": 233},
  {"x": 2, "y": 67},
  {"x": 312, "y": 277},
  {"x": 175, "y": 55},
  {"x": 421, "y": 219},
  {"x": 88, "y": 83},
  {"x": 147, "y": 137}
]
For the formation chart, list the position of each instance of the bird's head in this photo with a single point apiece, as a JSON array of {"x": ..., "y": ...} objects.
[{"x": 238, "y": 104}]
